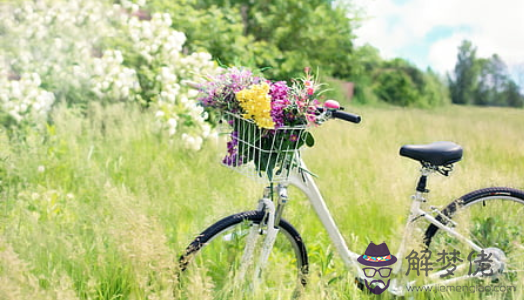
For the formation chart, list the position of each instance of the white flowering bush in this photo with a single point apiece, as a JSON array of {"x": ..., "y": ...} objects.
[
  {"x": 161, "y": 48},
  {"x": 111, "y": 80},
  {"x": 24, "y": 99},
  {"x": 82, "y": 51},
  {"x": 51, "y": 38}
]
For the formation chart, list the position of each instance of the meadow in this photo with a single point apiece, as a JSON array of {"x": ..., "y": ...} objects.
[{"x": 101, "y": 204}]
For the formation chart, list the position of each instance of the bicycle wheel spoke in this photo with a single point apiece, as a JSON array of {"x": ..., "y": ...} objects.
[
  {"x": 229, "y": 262},
  {"x": 494, "y": 224}
]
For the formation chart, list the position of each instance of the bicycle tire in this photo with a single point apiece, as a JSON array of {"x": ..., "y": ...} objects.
[
  {"x": 289, "y": 247},
  {"x": 493, "y": 218}
]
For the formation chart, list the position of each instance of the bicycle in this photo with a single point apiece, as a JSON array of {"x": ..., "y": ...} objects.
[{"x": 257, "y": 246}]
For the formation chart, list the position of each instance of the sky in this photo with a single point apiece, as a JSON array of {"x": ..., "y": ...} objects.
[{"x": 428, "y": 33}]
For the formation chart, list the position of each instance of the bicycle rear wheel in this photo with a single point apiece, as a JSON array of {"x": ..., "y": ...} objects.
[
  {"x": 216, "y": 258},
  {"x": 492, "y": 218}
]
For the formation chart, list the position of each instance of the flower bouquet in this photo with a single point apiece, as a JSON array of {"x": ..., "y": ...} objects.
[{"x": 268, "y": 120}]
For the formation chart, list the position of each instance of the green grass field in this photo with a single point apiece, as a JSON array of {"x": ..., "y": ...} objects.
[{"x": 100, "y": 207}]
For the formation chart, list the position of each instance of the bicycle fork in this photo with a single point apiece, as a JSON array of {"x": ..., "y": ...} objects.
[{"x": 268, "y": 228}]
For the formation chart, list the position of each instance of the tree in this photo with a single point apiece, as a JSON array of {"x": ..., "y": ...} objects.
[
  {"x": 483, "y": 81},
  {"x": 283, "y": 36},
  {"x": 396, "y": 87},
  {"x": 401, "y": 83},
  {"x": 366, "y": 60},
  {"x": 435, "y": 91},
  {"x": 463, "y": 83},
  {"x": 512, "y": 95},
  {"x": 492, "y": 80}
]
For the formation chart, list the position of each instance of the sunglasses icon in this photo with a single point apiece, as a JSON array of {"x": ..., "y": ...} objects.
[{"x": 370, "y": 272}]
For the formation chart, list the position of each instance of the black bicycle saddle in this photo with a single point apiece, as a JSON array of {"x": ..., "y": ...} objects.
[{"x": 437, "y": 153}]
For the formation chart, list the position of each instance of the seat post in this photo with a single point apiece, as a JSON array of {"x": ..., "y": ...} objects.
[{"x": 422, "y": 181}]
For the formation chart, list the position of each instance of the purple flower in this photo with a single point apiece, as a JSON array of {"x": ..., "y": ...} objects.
[
  {"x": 291, "y": 105},
  {"x": 219, "y": 91},
  {"x": 279, "y": 95},
  {"x": 231, "y": 158}
]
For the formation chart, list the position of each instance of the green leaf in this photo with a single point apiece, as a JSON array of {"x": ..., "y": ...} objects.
[{"x": 310, "y": 140}]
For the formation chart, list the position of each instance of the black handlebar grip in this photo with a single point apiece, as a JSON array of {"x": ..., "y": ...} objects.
[{"x": 347, "y": 116}]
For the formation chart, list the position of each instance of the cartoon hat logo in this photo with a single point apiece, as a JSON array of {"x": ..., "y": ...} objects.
[{"x": 377, "y": 258}]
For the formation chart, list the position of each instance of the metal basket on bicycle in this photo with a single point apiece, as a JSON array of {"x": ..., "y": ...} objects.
[{"x": 262, "y": 154}]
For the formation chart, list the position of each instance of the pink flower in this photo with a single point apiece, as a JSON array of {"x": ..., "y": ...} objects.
[{"x": 310, "y": 91}]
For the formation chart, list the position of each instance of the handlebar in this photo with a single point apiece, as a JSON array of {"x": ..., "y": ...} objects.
[
  {"x": 346, "y": 116},
  {"x": 342, "y": 115}
]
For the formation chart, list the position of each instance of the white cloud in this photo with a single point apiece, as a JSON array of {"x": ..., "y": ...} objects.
[
  {"x": 442, "y": 54},
  {"x": 492, "y": 26}
]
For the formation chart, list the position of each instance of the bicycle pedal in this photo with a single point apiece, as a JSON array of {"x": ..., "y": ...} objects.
[{"x": 359, "y": 283}]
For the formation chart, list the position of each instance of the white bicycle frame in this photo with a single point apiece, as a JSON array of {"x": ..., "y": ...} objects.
[{"x": 304, "y": 181}]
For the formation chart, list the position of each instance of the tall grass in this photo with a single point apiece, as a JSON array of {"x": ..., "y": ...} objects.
[{"x": 100, "y": 206}]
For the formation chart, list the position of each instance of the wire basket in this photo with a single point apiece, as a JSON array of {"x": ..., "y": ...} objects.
[{"x": 262, "y": 154}]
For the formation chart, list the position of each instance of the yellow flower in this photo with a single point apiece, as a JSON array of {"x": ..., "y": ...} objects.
[{"x": 256, "y": 103}]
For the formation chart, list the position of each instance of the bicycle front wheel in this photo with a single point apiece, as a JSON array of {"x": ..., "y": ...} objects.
[
  {"x": 493, "y": 219},
  {"x": 225, "y": 258}
]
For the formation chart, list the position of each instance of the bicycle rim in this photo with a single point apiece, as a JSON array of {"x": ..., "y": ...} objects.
[
  {"x": 492, "y": 219},
  {"x": 222, "y": 269}
]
